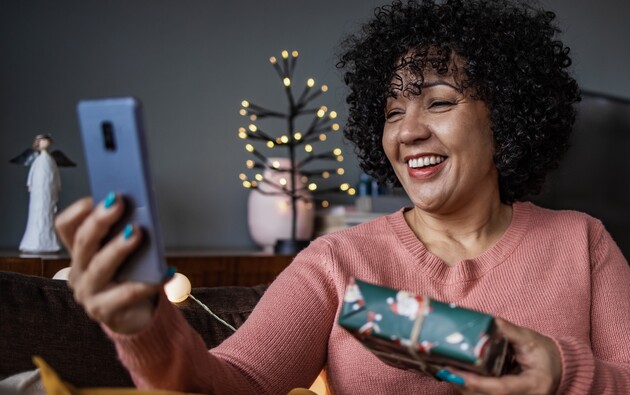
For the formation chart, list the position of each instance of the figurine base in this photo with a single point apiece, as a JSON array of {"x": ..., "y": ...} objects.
[{"x": 290, "y": 247}]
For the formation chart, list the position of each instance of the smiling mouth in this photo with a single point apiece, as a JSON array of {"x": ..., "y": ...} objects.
[{"x": 425, "y": 161}]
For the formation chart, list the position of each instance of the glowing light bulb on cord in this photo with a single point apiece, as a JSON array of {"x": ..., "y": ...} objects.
[
  {"x": 62, "y": 274},
  {"x": 178, "y": 288}
]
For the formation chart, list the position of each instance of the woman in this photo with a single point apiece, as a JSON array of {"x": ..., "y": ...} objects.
[{"x": 467, "y": 104}]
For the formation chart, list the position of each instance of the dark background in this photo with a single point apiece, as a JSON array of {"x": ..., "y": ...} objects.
[
  {"x": 193, "y": 61},
  {"x": 594, "y": 175}
]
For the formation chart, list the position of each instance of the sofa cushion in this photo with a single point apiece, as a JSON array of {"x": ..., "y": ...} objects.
[{"x": 38, "y": 316}]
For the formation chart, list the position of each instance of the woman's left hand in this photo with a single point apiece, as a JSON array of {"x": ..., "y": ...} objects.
[{"x": 539, "y": 360}]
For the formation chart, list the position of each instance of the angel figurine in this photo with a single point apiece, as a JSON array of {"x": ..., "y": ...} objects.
[{"x": 43, "y": 184}]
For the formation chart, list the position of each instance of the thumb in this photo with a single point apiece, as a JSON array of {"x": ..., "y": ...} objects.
[
  {"x": 525, "y": 342},
  {"x": 513, "y": 333}
]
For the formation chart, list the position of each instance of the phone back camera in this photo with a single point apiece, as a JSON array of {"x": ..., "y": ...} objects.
[{"x": 109, "y": 139}]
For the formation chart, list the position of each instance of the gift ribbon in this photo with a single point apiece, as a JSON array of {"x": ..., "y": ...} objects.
[{"x": 417, "y": 327}]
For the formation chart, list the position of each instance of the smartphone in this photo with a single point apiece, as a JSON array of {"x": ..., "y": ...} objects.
[{"x": 117, "y": 161}]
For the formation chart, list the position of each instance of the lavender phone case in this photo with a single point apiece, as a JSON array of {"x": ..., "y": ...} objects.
[{"x": 116, "y": 157}]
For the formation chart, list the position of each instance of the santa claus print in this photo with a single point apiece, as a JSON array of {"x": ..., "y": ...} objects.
[
  {"x": 353, "y": 295},
  {"x": 371, "y": 324},
  {"x": 406, "y": 304}
]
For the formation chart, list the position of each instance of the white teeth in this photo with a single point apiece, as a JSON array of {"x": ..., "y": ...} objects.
[{"x": 426, "y": 161}]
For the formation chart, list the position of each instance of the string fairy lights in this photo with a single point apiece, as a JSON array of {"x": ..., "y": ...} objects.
[{"x": 299, "y": 143}]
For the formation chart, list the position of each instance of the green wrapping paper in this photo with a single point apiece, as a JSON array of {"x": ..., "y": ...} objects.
[{"x": 419, "y": 333}]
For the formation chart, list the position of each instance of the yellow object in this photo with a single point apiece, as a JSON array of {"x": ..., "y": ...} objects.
[
  {"x": 55, "y": 386},
  {"x": 317, "y": 388},
  {"x": 301, "y": 391}
]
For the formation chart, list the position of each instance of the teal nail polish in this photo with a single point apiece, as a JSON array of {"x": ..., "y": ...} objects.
[
  {"x": 110, "y": 199},
  {"x": 445, "y": 375},
  {"x": 170, "y": 271},
  {"x": 128, "y": 231}
]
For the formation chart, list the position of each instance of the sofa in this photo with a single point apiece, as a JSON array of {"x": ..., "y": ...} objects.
[{"x": 38, "y": 316}]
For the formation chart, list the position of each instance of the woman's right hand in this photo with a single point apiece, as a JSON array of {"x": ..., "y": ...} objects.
[{"x": 125, "y": 307}]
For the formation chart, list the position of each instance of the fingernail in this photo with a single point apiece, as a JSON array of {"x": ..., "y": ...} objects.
[
  {"x": 445, "y": 375},
  {"x": 128, "y": 231},
  {"x": 170, "y": 272},
  {"x": 110, "y": 199}
]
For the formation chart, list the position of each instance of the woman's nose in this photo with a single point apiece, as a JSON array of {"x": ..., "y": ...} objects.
[{"x": 413, "y": 128}]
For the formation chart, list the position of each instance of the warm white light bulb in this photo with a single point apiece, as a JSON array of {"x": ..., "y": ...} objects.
[
  {"x": 245, "y": 103},
  {"x": 285, "y": 54},
  {"x": 62, "y": 274},
  {"x": 286, "y": 81},
  {"x": 312, "y": 187},
  {"x": 310, "y": 82},
  {"x": 178, "y": 288}
]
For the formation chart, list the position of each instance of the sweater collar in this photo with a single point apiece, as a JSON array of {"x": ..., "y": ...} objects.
[{"x": 468, "y": 269}]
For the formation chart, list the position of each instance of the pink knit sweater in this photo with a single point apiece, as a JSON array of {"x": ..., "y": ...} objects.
[{"x": 557, "y": 272}]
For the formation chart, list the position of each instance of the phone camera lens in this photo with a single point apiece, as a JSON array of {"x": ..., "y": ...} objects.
[{"x": 108, "y": 136}]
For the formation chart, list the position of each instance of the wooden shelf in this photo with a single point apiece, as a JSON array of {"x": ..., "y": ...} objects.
[{"x": 203, "y": 268}]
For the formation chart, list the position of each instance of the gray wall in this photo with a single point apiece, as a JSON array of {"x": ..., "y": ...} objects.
[{"x": 192, "y": 62}]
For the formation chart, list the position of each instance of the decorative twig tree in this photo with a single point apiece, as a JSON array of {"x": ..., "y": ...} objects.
[{"x": 322, "y": 123}]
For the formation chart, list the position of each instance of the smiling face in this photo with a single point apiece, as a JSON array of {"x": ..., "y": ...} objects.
[{"x": 440, "y": 144}]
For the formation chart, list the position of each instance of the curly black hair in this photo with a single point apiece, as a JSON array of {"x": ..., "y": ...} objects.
[{"x": 511, "y": 60}]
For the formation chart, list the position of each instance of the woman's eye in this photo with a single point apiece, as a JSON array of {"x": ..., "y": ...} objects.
[
  {"x": 392, "y": 114},
  {"x": 440, "y": 103}
]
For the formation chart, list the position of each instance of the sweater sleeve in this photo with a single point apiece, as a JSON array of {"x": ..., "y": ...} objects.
[
  {"x": 281, "y": 345},
  {"x": 603, "y": 367}
]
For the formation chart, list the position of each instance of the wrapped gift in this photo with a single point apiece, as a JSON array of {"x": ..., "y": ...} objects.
[{"x": 416, "y": 332}]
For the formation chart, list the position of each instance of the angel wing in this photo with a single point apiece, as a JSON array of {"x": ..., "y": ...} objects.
[
  {"x": 25, "y": 158},
  {"x": 62, "y": 160}
]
